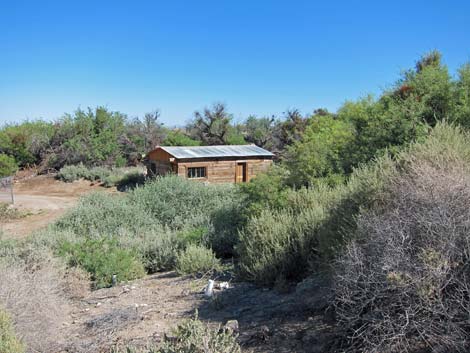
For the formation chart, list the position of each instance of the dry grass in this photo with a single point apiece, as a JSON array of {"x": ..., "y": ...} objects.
[{"x": 34, "y": 297}]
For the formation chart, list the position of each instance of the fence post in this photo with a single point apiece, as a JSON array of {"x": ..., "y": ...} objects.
[{"x": 7, "y": 183}]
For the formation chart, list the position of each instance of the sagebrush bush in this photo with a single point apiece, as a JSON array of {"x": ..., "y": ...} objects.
[
  {"x": 98, "y": 173},
  {"x": 193, "y": 336},
  {"x": 71, "y": 173},
  {"x": 196, "y": 260},
  {"x": 103, "y": 258},
  {"x": 402, "y": 285},
  {"x": 9, "y": 213},
  {"x": 101, "y": 213},
  {"x": 179, "y": 203},
  {"x": 9, "y": 343},
  {"x": 286, "y": 243}
]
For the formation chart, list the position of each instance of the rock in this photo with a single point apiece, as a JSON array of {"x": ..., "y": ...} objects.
[{"x": 232, "y": 327}]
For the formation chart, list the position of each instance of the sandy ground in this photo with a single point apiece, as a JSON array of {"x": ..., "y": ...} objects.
[
  {"x": 142, "y": 312},
  {"x": 43, "y": 199}
]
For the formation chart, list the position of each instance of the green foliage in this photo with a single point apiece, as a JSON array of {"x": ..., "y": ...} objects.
[
  {"x": 101, "y": 213},
  {"x": 8, "y": 341},
  {"x": 71, "y": 173},
  {"x": 267, "y": 190},
  {"x": 8, "y": 165},
  {"x": 179, "y": 203},
  {"x": 178, "y": 138},
  {"x": 192, "y": 336},
  {"x": 213, "y": 127},
  {"x": 309, "y": 229},
  {"x": 123, "y": 178},
  {"x": 319, "y": 155},
  {"x": 196, "y": 260},
  {"x": 156, "y": 221},
  {"x": 103, "y": 258}
]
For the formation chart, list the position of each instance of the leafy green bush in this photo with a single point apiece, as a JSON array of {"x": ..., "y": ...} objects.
[
  {"x": 192, "y": 336},
  {"x": 8, "y": 165},
  {"x": 102, "y": 213},
  {"x": 196, "y": 260},
  {"x": 71, "y": 173},
  {"x": 157, "y": 250},
  {"x": 285, "y": 243},
  {"x": 8, "y": 341},
  {"x": 98, "y": 173},
  {"x": 103, "y": 258},
  {"x": 179, "y": 203}
]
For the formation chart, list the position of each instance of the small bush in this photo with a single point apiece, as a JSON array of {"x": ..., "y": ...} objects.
[
  {"x": 157, "y": 250},
  {"x": 8, "y": 341},
  {"x": 71, "y": 173},
  {"x": 196, "y": 260},
  {"x": 98, "y": 173},
  {"x": 192, "y": 336},
  {"x": 103, "y": 258},
  {"x": 8, "y": 213}
]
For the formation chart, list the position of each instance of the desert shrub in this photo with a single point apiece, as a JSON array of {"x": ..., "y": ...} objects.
[
  {"x": 179, "y": 203},
  {"x": 267, "y": 190},
  {"x": 98, "y": 173},
  {"x": 103, "y": 258},
  {"x": 196, "y": 260},
  {"x": 193, "y": 336},
  {"x": 157, "y": 249},
  {"x": 8, "y": 341},
  {"x": 7, "y": 212},
  {"x": 101, "y": 213},
  {"x": 402, "y": 285},
  {"x": 71, "y": 173},
  {"x": 129, "y": 180},
  {"x": 285, "y": 243},
  {"x": 31, "y": 291},
  {"x": 8, "y": 165}
]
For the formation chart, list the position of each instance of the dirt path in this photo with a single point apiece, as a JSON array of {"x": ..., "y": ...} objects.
[
  {"x": 141, "y": 313},
  {"x": 43, "y": 199}
]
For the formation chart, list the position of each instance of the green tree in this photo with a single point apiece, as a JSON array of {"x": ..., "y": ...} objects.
[
  {"x": 178, "y": 138},
  {"x": 319, "y": 154},
  {"x": 213, "y": 126},
  {"x": 8, "y": 165}
]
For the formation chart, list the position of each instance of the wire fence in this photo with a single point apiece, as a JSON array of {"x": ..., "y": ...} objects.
[{"x": 6, "y": 190}]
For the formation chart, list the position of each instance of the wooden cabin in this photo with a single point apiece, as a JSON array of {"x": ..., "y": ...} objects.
[{"x": 214, "y": 164}]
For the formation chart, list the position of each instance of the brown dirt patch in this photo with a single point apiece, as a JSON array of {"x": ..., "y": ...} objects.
[
  {"x": 43, "y": 199},
  {"x": 141, "y": 312}
]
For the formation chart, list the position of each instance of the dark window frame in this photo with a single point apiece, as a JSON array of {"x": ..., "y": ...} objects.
[{"x": 196, "y": 172}]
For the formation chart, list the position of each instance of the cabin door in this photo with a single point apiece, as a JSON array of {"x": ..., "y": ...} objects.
[{"x": 240, "y": 176}]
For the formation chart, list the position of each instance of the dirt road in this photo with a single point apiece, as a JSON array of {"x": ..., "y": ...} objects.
[{"x": 43, "y": 199}]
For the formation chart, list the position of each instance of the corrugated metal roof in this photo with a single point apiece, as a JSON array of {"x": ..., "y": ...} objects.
[{"x": 216, "y": 151}]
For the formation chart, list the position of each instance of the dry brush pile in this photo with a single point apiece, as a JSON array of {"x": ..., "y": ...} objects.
[{"x": 404, "y": 284}]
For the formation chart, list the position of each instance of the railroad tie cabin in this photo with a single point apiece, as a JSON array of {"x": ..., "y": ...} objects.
[{"x": 214, "y": 164}]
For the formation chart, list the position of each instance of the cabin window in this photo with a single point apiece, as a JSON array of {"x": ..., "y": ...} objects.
[{"x": 197, "y": 172}]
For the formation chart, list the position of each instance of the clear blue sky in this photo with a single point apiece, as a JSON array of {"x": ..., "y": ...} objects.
[{"x": 259, "y": 57}]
